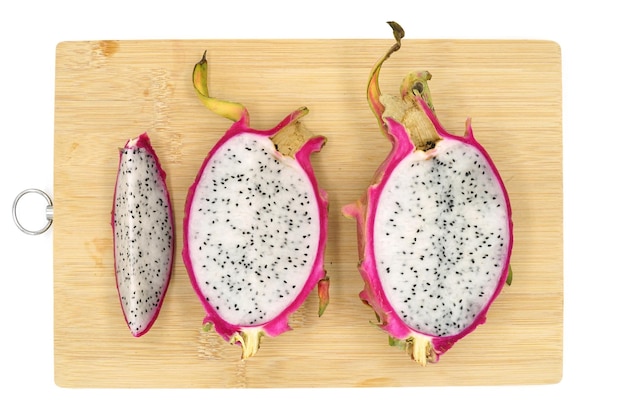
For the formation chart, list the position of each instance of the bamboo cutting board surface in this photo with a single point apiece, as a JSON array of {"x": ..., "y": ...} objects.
[{"x": 109, "y": 91}]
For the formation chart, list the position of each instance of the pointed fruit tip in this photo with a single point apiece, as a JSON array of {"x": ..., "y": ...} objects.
[
  {"x": 323, "y": 293},
  {"x": 509, "y": 277},
  {"x": 202, "y": 60}
]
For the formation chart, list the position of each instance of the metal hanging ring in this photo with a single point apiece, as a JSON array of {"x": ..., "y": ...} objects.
[{"x": 49, "y": 211}]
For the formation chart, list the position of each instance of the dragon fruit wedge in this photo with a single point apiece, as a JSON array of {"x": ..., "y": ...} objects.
[
  {"x": 434, "y": 227},
  {"x": 255, "y": 225},
  {"x": 143, "y": 234}
]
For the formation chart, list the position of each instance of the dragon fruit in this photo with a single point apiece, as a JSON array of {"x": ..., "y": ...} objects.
[
  {"x": 434, "y": 227},
  {"x": 255, "y": 225},
  {"x": 143, "y": 234}
]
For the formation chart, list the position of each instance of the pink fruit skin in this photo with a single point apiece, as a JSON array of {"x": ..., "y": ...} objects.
[
  {"x": 279, "y": 324},
  {"x": 364, "y": 212},
  {"x": 143, "y": 141}
]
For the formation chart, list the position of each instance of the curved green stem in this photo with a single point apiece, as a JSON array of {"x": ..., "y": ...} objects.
[
  {"x": 227, "y": 109},
  {"x": 373, "y": 89}
]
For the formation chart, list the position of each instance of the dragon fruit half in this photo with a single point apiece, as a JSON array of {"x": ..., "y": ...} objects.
[
  {"x": 434, "y": 227},
  {"x": 255, "y": 225},
  {"x": 143, "y": 234}
]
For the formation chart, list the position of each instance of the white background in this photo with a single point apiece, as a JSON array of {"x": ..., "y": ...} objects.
[{"x": 594, "y": 72}]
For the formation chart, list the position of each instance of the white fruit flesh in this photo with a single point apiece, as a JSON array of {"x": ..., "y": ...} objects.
[
  {"x": 143, "y": 237},
  {"x": 255, "y": 223},
  {"x": 441, "y": 237}
]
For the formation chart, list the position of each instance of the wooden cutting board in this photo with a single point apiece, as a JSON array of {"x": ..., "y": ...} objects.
[{"x": 109, "y": 91}]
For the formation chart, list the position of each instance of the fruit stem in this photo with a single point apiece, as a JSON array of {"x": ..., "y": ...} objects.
[
  {"x": 415, "y": 85},
  {"x": 408, "y": 109},
  {"x": 227, "y": 109},
  {"x": 250, "y": 341},
  {"x": 421, "y": 350},
  {"x": 373, "y": 88},
  {"x": 291, "y": 134}
]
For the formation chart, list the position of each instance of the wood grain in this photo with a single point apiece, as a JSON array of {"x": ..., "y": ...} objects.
[{"x": 109, "y": 91}]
